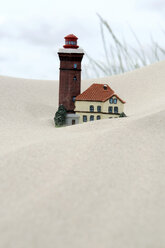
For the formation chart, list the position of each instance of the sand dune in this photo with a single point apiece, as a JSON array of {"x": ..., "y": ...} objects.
[{"x": 94, "y": 185}]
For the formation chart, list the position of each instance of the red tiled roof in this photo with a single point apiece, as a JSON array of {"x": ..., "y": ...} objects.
[{"x": 98, "y": 93}]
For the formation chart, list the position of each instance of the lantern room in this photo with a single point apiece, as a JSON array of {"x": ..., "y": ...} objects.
[{"x": 71, "y": 41}]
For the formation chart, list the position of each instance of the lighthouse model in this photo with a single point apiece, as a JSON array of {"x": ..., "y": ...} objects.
[
  {"x": 70, "y": 77},
  {"x": 97, "y": 102}
]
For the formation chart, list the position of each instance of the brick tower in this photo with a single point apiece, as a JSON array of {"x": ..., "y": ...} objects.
[{"x": 70, "y": 74}]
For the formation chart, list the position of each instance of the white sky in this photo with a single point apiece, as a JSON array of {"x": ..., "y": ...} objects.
[{"x": 31, "y": 31}]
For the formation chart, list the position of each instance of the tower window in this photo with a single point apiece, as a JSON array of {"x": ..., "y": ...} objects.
[
  {"x": 75, "y": 78},
  {"x": 91, "y": 117},
  {"x": 115, "y": 110},
  {"x": 75, "y": 66},
  {"x": 91, "y": 108},
  {"x": 73, "y": 98},
  {"x": 98, "y": 108},
  {"x": 84, "y": 118},
  {"x": 110, "y": 110}
]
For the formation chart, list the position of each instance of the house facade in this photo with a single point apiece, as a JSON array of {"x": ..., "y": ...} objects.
[{"x": 98, "y": 102}]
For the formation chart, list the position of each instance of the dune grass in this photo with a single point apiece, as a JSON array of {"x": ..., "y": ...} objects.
[{"x": 119, "y": 56}]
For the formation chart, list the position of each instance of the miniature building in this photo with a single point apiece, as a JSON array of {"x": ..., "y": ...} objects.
[
  {"x": 70, "y": 76},
  {"x": 99, "y": 101}
]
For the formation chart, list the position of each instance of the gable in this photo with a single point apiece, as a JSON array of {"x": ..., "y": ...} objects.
[{"x": 115, "y": 96}]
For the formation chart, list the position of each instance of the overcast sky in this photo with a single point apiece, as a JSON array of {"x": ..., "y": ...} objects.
[{"x": 32, "y": 31}]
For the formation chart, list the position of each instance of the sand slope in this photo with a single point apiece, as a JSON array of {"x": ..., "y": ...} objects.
[{"x": 95, "y": 185}]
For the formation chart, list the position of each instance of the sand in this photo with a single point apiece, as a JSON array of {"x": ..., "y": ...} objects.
[{"x": 94, "y": 185}]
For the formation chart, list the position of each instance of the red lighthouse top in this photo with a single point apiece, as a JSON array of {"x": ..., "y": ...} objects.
[{"x": 71, "y": 41}]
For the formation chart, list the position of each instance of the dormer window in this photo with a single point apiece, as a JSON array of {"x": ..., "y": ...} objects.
[
  {"x": 105, "y": 86},
  {"x": 111, "y": 100},
  {"x": 115, "y": 100}
]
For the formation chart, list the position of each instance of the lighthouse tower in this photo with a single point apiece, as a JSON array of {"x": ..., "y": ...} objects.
[{"x": 70, "y": 76}]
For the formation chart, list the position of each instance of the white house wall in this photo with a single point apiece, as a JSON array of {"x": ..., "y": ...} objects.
[{"x": 83, "y": 108}]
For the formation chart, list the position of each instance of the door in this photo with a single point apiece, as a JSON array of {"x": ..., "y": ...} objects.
[{"x": 73, "y": 122}]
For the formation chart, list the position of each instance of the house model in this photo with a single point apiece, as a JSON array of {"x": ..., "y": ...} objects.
[{"x": 98, "y": 102}]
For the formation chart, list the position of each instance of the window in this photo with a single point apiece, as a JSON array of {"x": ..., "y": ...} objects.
[
  {"x": 73, "y": 98},
  {"x": 115, "y": 100},
  {"x": 75, "y": 66},
  {"x": 98, "y": 117},
  {"x": 92, "y": 118},
  {"x": 84, "y": 118},
  {"x": 111, "y": 100},
  {"x": 75, "y": 78},
  {"x": 91, "y": 108},
  {"x": 110, "y": 110},
  {"x": 98, "y": 108},
  {"x": 115, "y": 110}
]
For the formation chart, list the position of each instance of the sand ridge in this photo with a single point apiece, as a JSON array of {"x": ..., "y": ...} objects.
[{"x": 98, "y": 184}]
